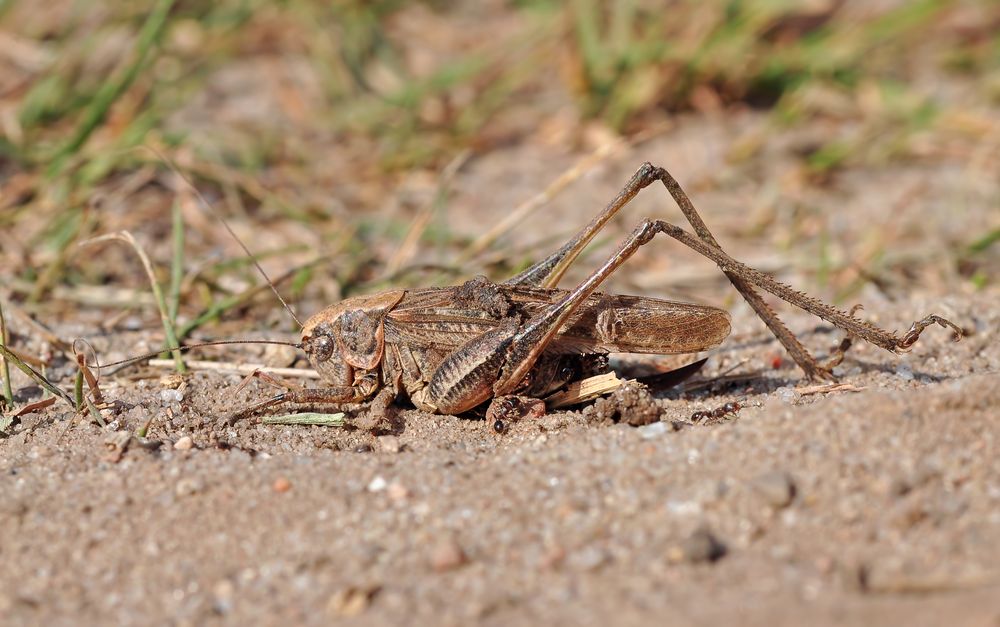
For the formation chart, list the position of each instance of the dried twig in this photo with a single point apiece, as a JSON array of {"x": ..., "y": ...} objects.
[
  {"x": 828, "y": 387},
  {"x": 584, "y": 390},
  {"x": 30, "y": 407}
]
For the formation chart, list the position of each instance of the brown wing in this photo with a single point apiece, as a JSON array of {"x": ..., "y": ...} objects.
[
  {"x": 636, "y": 324},
  {"x": 428, "y": 318},
  {"x": 603, "y": 323}
]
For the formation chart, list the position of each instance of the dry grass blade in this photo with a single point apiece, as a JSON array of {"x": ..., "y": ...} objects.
[
  {"x": 408, "y": 248},
  {"x": 536, "y": 202},
  {"x": 307, "y": 418},
  {"x": 30, "y": 407},
  {"x": 168, "y": 323},
  {"x": 88, "y": 375},
  {"x": 828, "y": 387},
  {"x": 35, "y": 375},
  {"x": 564, "y": 180}
]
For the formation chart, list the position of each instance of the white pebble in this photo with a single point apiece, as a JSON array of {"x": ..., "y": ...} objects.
[
  {"x": 377, "y": 484},
  {"x": 904, "y": 371},
  {"x": 684, "y": 508},
  {"x": 787, "y": 395},
  {"x": 169, "y": 396},
  {"x": 654, "y": 430}
]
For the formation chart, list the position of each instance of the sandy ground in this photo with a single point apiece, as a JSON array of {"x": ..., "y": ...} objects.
[{"x": 872, "y": 506}]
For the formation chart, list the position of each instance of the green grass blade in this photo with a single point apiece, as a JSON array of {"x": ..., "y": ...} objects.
[
  {"x": 110, "y": 91},
  {"x": 176, "y": 265},
  {"x": 307, "y": 418},
  {"x": 8, "y": 391},
  {"x": 985, "y": 242}
]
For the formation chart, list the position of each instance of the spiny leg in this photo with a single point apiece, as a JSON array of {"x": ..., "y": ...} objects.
[
  {"x": 547, "y": 272},
  {"x": 745, "y": 286},
  {"x": 802, "y": 357},
  {"x": 840, "y": 351},
  {"x": 496, "y": 362},
  {"x": 842, "y": 319},
  {"x": 534, "y": 336},
  {"x": 362, "y": 389},
  {"x": 263, "y": 376}
]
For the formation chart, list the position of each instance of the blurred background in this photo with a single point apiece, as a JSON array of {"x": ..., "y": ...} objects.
[{"x": 852, "y": 147}]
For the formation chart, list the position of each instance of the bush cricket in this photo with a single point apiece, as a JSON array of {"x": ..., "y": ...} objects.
[{"x": 449, "y": 350}]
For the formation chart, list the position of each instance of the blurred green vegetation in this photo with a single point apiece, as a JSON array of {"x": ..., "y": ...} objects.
[
  {"x": 127, "y": 66},
  {"x": 262, "y": 100}
]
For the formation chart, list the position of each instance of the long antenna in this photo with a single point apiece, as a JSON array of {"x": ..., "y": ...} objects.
[
  {"x": 218, "y": 216},
  {"x": 152, "y": 354}
]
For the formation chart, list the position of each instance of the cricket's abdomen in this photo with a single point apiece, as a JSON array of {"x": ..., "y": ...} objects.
[{"x": 410, "y": 370}]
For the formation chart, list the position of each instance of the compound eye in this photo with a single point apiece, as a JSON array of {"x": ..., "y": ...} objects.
[{"x": 322, "y": 347}]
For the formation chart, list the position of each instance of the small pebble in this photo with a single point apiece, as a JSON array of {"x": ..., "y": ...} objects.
[
  {"x": 787, "y": 395},
  {"x": 777, "y": 488},
  {"x": 397, "y": 491},
  {"x": 188, "y": 486},
  {"x": 223, "y": 592},
  {"x": 351, "y": 601},
  {"x": 447, "y": 555},
  {"x": 169, "y": 396},
  {"x": 171, "y": 381},
  {"x": 654, "y": 430},
  {"x": 377, "y": 484},
  {"x": 389, "y": 444},
  {"x": 700, "y": 546},
  {"x": 184, "y": 443},
  {"x": 904, "y": 371},
  {"x": 27, "y": 393},
  {"x": 281, "y": 485},
  {"x": 552, "y": 557},
  {"x": 588, "y": 558}
]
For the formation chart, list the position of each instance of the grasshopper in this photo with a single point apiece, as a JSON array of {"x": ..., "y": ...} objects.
[{"x": 452, "y": 349}]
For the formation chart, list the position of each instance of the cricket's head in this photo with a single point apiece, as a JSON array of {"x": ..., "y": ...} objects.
[{"x": 348, "y": 336}]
